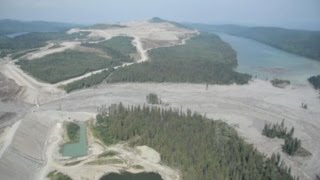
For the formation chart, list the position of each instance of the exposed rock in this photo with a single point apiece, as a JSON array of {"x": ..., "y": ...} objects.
[{"x": 8, "y": 89}]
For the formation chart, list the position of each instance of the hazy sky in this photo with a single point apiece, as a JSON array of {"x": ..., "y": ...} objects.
[{"x": 286, "y": 13}]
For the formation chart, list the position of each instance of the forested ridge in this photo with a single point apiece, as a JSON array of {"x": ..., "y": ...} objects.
[
  {"x": 300, "y": 42},
  {"x": 203, "y": 59},
  {"x": 199, "y": 147}
]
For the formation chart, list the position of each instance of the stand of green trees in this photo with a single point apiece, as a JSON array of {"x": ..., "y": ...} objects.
[
  {"x": 119, "y": 47},
  {"x": 199, "y": 147},
  {"x": 291, "y": 145},
  {"x": 280, "y": 82},
  {"x": 88, "y": 81},
  {"x": 68, "y": 64},
  {"x": 315, "y": 81},
  {"x": 277, "y": 130},
  {"x": 203, "y": 59},
  {"x": 55, "y": 175},
  {"x": 152, "y": 98}
]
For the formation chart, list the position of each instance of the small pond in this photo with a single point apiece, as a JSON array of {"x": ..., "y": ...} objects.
[
  {"x": 131, "y": 176},
  {"x": 80, "y": 148}
]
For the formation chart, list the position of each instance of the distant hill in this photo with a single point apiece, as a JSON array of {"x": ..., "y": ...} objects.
[
  {"x": 300, "y": 42},
  {"x": 104, "y": 26},
  {"x": 159, "y": 20},
  {"x": 8, "y": 26}
]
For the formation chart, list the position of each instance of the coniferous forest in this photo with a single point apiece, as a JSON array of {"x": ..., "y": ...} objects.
[{"x": 199, "y": 147}]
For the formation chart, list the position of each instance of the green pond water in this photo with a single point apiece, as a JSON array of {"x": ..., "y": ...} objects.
[
  {"x": 265, "y": 62},
  {"x": 130, "y": 176},
  {"x": 80, "y": 148}
]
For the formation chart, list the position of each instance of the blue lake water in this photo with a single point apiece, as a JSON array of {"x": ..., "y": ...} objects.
[
  {"x": 265, "y": 62},
  {"x": 80, "y": 148}
]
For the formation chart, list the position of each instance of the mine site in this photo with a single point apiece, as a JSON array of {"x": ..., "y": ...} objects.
[{"x": 159, "y": 100}]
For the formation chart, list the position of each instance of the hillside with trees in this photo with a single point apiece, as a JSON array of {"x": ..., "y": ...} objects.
[
  {"x": 203, "y": 59},
  {"x": 300, "y": 42},
  {"x": 199, "y": 147}
]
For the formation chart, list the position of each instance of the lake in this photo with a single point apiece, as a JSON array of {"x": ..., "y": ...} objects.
[
  {"x": 265, "y": 62},
  {"x": 131, "y": 176},
  {"x": 77, "y": 149}
]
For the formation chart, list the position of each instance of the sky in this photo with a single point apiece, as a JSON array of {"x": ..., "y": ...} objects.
[{"x": 301, "y": 14}]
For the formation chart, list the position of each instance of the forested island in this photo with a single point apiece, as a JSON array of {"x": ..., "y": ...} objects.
[
  {"x": 301, "y": 42},
  {"x": 199, "y": 147}
]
